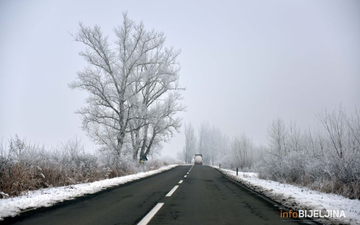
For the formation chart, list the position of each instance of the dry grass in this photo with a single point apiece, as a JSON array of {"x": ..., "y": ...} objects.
[
  {"x": 25, "y": 167},
  {"x": 349, "y": 189}
]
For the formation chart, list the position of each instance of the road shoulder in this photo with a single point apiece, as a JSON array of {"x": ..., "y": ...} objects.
[{"x": 290, "y": 197}]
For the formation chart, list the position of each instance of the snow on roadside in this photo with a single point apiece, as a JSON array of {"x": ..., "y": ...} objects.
[
  {"x": 49, "y": 196},
  {"x": 301, "y": 198}
]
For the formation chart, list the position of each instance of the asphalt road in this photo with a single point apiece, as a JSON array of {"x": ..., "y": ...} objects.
[{"x": 204, "y": 196}]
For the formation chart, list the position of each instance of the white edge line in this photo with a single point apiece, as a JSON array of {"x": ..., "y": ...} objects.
[
  {"x": 172, "y": 191},
  {"x": 151, "y": 214},
  {"x": 180, "y": 182}
]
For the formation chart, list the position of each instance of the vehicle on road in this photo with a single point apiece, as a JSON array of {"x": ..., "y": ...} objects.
[{"x": 198, "y": 159}]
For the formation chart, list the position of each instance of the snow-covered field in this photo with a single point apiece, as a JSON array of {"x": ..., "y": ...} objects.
[
  {"x": 301, "y": 198},
  {"x": 49, "y": 196}
]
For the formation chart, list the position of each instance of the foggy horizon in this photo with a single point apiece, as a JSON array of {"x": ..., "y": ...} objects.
[{"x": 243, "y": 64}]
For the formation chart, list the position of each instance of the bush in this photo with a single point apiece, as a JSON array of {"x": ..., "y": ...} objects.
[
  {"x": 25, "y": 166},
  {"x": 328, "y": 161}
]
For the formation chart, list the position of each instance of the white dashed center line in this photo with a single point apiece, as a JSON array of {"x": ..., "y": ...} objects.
[
  {"x": 158, "y": 206},
  {"x": 172, "y": 191},
  {"x": 191, "y": 168},
  {"x": 151, "y": 214}
]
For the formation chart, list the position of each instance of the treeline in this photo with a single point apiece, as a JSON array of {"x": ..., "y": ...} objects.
[
  {"x": 25, "y": 166},
  {"x": 325, "y": 159}
]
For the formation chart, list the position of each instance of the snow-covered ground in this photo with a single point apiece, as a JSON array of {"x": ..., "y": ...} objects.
[
  {"x": 49, "y": 196},
  {"x": 301, "y": 198}
]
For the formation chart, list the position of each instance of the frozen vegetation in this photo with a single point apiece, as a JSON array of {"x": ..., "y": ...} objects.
[
  {"x": 326, "y": 159},
  {"x": 25, "y": 166}
]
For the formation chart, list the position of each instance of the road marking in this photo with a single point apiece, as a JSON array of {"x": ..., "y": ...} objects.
[
  {"x": 191, "y": 168},
  {"x": 187, "y": 172},
  {"x": 151, "y": 214},
  {"x": 185, "y": 176},
  {"x": 180, "y": 182},
  {"x": 172, "y": 191}
]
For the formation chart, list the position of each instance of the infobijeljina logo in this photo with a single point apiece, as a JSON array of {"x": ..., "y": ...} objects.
[{"x": 312, "y": 214}]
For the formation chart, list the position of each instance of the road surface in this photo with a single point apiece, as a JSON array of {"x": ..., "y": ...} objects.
[{"x": 201, "y": 196}]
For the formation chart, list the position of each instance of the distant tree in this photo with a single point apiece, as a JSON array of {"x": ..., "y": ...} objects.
[
  {"x": 277, "y": 134},
  {"x": 125, "y": 81},
  {"x": 204, "y": 142},
  {"x": 17, "y": 148},
  {"x": 189, "y": 149},
  {"x": 210, "y": 143},
  {"x": 342, "y": 130},
  {"x": 294, "y": 142},
  {"x": 242, "y": 152},
  {"x": 335, "y": 124}
]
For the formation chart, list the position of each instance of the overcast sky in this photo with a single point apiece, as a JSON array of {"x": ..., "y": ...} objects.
[{"x": 244, "y": 63}]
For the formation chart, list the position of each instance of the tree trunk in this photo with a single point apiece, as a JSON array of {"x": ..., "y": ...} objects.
[
  {"x": 136, "y": 144},
  {"x": 143, "y": 147},
  {"x": 150, "y": 143}
]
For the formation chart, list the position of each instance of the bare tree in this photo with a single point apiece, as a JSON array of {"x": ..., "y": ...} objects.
[
  {"x": 294, "y": 138},
  {"x": 335, "y": 126},
  {"x": 204, "y": 143},
  {"x": 190, "y": 144},
  {"x": 157, "y": 101},
  {"x": 211, "y": 143},
  {"x": 123, "y": 81},
  {"x": 343, "y": 131},
  {"x": 242, "y": 152},
  {"x": 163, "y": 122},
  {"x": 277, "y": 137},
  {"x": 354, "y": 131}
]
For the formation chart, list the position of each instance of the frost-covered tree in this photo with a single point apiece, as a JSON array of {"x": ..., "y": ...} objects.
[
  {"x": 242, "y": 152},
  {"x": 210, "y": 143},
  {"x": 204, "y": 142},
  {"x": 125, "y": 80},
  {"x": 189, "y": 149},
  {"x": 277, "y": 134},
  {"x": 326, "y": 158},
  {"x": 294, "y": 142},
  {"x": 336, "y": 124},
  {"x": 162, "y": 123},
  {"x": 153, "y": 119}
]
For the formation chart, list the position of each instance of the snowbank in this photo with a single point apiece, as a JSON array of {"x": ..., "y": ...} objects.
[
  {"x": 301, "y": 198},
  {"x": 49, "y": 196}
]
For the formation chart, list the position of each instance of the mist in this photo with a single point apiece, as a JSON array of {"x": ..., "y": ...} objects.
[{"x": 243, "y": 63}]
